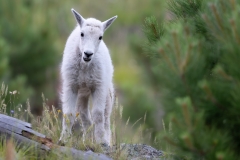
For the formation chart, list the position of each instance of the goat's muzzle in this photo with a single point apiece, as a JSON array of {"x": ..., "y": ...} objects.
[{"x": 87, "y": 56}]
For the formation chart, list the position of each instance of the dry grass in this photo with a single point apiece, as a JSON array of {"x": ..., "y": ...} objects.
[{"x": 50, "y": 124}]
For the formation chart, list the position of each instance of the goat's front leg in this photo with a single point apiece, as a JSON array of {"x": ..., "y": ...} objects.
[
  {"x": 107, "y": 113},
  {"x": 69, "y": 110},
  {"x": 99, "y": 100}
]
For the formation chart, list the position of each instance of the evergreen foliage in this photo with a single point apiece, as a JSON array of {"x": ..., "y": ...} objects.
[{"x": 194, "y": 64}]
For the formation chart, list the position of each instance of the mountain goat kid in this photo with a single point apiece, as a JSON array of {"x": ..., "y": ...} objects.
[{"x": 87, "y": 71}]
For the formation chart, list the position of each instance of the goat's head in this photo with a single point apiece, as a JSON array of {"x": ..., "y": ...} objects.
[{"x": 91, "y": 34}]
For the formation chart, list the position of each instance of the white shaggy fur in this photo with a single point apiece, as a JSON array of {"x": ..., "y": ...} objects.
[{"x": 87, "y": 71}]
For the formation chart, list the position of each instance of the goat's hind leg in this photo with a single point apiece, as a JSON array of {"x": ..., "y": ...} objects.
[{"x": 83, "y": 109}]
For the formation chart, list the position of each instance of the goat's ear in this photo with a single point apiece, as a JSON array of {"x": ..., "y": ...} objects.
[
  {"x": 108, "y": 22},
  {"x": 78, "y": 17}
]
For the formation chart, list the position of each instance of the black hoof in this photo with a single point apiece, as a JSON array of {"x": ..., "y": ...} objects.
[
  {"x": 105, "y": 147},
  {"x": 60, "y": 143}
]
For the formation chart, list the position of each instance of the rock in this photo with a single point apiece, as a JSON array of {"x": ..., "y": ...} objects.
[
  {"x": 136, "y": 152},
  {"x": 141, "y": 151}
]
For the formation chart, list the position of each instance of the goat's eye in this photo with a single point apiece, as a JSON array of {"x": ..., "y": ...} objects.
[
  {"x": 100, "y": 38},
  {"x": 82, "y": 35}
]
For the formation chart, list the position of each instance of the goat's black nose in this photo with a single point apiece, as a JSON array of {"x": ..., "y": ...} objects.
[{"x": 88, "y": 54}]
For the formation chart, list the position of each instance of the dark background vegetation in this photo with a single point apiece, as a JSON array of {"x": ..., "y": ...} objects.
[{"x": 33, "y": 35}]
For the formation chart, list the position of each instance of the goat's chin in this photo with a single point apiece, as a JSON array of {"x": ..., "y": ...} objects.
[{"x": 86, "y": 61}]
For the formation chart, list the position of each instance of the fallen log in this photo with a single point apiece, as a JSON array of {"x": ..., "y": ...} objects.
[{"x": 24, "y": 136}]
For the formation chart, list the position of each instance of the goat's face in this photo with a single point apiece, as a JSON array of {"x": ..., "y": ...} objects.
[{"x": 91, "y": 35}]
